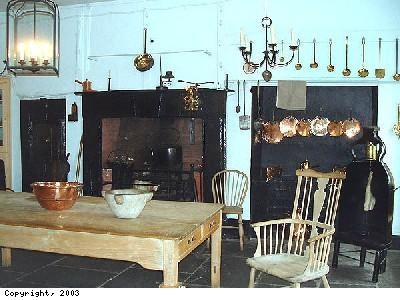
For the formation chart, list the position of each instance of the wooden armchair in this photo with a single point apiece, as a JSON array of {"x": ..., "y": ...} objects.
[
  {"x": 296, "y": 249},
  {"x": 229, "y": 187}
]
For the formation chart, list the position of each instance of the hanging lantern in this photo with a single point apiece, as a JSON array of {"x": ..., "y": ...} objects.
[{"x": 33, "y": 30}]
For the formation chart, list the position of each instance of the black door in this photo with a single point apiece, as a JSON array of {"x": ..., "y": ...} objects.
[{"x": 43, "y": 150}]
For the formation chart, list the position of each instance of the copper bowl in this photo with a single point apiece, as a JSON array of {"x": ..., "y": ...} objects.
[
  {"x": 272, "y": 172},
  {"x": 56, "y": 195}
]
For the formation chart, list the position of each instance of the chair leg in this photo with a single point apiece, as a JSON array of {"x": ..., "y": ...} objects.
[
  {"x": 363, "y": 253},
  {"x": 252, "y": 276},
  {"x": 241, "y": 231},
  {"x": 325, "y": 281},
  {"x": 296, "y": 285},
  {"x": 377, "y": 265},
  {"x": 335, "y": 256}
]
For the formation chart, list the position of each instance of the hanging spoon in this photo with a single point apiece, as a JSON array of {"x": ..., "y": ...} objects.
[
  {"x": 244, "y": 121},
  {"x": 363, "y": 72},
  {"x": 298, "y": 66},
  {"x": 346, "y": 71},
  {"x": 238, "y": 97},
  {"x": 397, "y": 75},
  {"x": 314, "y": 64},
  {"x": 330, "y": 67},
  {"x": 258, "y": 122},
  {"x": 380, "y": 72}
]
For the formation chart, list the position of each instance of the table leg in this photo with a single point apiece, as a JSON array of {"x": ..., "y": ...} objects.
[
  {"x": 216, "y": 257},
  {"x": 6, "y": 257},
  {"x": 170, "y": 270}
]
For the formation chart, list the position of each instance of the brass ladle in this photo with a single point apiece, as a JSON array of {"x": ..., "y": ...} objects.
[
  {"x": 298, "y": 66},
  {"x": 380, "y": 72},
  {"x": 397, "y": 75},
  {"x": 314, "y": 64},
  {"x": 346, "y": 71},
  {"x": 330, "y": 67},
  {"x": 363, "y": 72}
]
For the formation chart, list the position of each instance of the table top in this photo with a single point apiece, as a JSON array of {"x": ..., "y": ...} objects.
[{"x": 159, "y": 219}]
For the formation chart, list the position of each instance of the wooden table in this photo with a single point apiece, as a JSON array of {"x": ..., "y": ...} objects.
[{"x": 163, "y": 234}]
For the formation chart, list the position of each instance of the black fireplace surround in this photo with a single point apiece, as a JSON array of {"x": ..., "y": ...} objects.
[{"x": 164, "y": 103}]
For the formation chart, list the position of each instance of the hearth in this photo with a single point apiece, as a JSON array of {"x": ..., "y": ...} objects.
[{"x": 148, "y": 135}]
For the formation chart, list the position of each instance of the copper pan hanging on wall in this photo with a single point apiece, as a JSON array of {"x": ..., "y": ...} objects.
[
  {"x": 335, "y": 128},
  {"x": 319, "y": 126},
  {"x": 271, "y": 132},
  {"x": 288, "y": 126},
  {"x": 144, "y": 62},
  {"x": 303, "y": 127}
]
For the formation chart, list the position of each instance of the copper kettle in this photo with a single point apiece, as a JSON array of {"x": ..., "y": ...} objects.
[{"x": 86, "y": 85}]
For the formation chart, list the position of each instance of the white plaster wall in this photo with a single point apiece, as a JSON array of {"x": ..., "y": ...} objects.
[{"x": 198, "y": 40}]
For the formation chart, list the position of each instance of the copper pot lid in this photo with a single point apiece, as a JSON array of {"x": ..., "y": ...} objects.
[
  {"x": 288, "y": 126},
  {"x": 351, "y": 127},
  {"x": 271, "y": 132},
  {"x": 335, "y": 128},
  {"x": 319, "y": 126},
  {"x": 303, "y": 127}
]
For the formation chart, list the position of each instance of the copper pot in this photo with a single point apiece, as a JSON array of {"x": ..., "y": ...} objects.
[
  {"x": 271, "y": 133},
  {"x": 335, "y": 128},
  {"x": 272, "y": 172},
  {"x": 303, "y": 127},
  {"x": 288, "y": 126},
  {"x": 351, "y": 127},
  {"x": 319, "y": 126}
]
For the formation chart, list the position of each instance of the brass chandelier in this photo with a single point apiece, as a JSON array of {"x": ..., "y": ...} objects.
[
  {"x": 271, "y": 52},
  {"x": 33, "y": 30}
]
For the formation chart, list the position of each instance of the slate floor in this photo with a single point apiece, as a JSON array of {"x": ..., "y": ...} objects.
[{"x": 31, "y": 269}]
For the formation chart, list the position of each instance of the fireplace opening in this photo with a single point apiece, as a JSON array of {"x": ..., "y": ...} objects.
[{"x": 165, "y": 152}]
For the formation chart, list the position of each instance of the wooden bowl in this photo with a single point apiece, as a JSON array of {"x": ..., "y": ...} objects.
[{"x": 56, "y": 195}]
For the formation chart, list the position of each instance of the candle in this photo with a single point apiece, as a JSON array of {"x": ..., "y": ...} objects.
[
  {"x": 265, "y": 8},
  {"x": 273, "y": 39},
  {"x": 242, "y": 39},
  {"x": 292, "y": 38},
  {"x": 21, "y": 51}
]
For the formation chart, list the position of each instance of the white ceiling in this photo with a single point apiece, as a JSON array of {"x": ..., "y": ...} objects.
[{"x": 3, "y": 3}]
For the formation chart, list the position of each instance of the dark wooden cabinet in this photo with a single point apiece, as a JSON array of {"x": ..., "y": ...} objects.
[
  {"x": 43, "y": 141},
  {"x": 274, "y": 198}
]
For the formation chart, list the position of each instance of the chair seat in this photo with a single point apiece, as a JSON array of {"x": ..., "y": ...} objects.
[
  {"x": 289, "y": 267},
  {"x": 232, "y": 210}
]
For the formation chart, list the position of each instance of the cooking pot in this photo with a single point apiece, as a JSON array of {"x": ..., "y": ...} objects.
[
  {"x": 271, "y": 133},
  {"x": 351, "y": 127},
  {"x": 335, "y": 128},
  {"x": 288, "y": 126},
  {"x": 272, "y": 172},
  {"x": 319, "y": 126},
  {"x": 303, "y": 127},
  {"x": 168, "y": 157}
]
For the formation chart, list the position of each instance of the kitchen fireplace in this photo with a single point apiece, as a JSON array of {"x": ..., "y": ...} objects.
[
  {"x": 147, "y": 137},
  {"x": 165, "y": 152}
]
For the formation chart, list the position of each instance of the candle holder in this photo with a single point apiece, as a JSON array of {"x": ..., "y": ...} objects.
[{"x": 270, "y": 53}]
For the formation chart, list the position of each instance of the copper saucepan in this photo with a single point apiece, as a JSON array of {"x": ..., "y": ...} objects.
[
  {"x": 271, "y": 133},
  {"x": 319, "y": 126},
  {"x": 272, "y": 172},
  {"x": 288, "y": 126},
  {"x": 145, "y": 61},
  {"x": 303, "y": 127},
  {"x": 351, "y": 127},
  {"x": 335, "y": 128}
]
